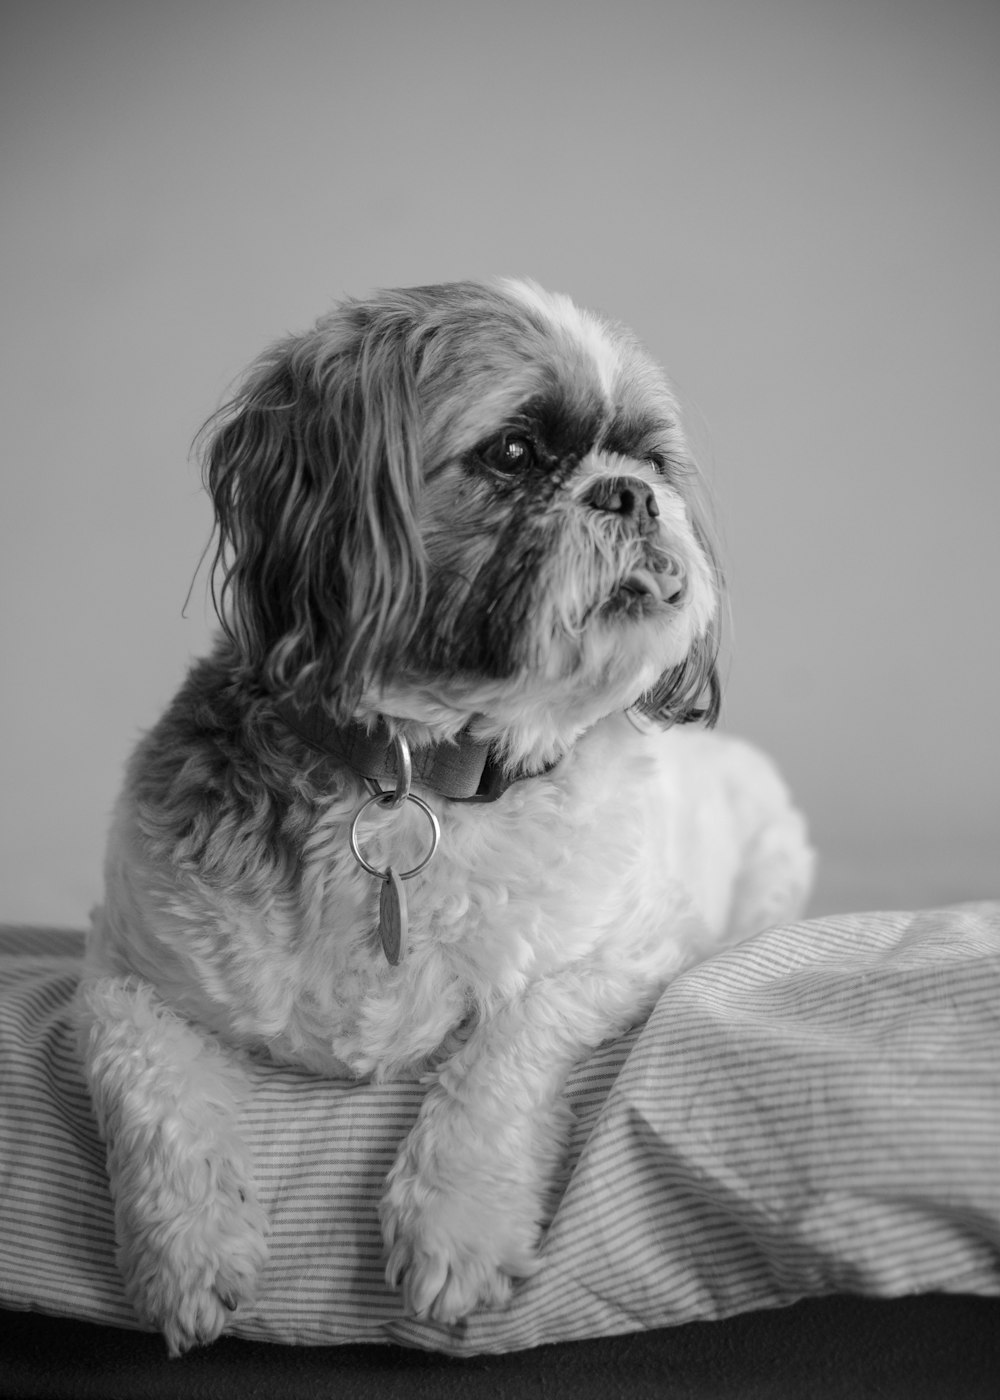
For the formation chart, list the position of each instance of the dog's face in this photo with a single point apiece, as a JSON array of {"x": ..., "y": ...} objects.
[{"x": 465, "y": 500}]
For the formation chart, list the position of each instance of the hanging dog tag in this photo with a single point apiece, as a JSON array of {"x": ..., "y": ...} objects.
[{"x": 392, "y": 917}]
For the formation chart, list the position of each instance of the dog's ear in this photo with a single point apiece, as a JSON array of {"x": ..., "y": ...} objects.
[
  {"x": 689, "y": 692},
  {"x": 314, "y": 469}
]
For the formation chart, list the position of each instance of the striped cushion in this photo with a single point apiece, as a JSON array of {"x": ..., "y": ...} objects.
[{"x": 815, "y": 1111}]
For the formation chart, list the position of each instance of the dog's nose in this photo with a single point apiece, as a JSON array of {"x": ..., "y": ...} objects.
[{"x": 628, "y": 497}]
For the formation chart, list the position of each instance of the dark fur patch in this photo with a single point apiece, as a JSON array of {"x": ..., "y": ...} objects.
[
  {"x": 223, "y": 790},
  {"x": 479, "y": 626},
  {"x": 632, "y": 432}
]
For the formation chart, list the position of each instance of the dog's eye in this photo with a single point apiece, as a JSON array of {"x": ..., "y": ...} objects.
[
  {"x": 515, "y": 452},
  {"x": 510, "y": 455}
]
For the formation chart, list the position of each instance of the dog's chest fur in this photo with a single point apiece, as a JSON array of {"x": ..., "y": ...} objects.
[{"x": 592, "y": 864}]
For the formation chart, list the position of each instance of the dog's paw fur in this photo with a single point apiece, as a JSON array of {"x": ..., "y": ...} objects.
[
  {"x": 459, "y": 1239},
  {"x": 450, "y": 1257},
  {"x": 189, "y": 1272},
  {"x": 191, "y": 1233}
]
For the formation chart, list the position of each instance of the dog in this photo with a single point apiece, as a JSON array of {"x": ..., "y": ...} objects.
[{"x": 445, "y": 800}]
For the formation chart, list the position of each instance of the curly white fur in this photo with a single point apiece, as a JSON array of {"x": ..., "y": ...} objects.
[{"x": 236, "y": 922}]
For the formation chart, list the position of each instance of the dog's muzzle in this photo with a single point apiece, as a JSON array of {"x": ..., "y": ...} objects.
[
  {"x": 627, "y": 497},
  {"x": 633, "y": 501}
]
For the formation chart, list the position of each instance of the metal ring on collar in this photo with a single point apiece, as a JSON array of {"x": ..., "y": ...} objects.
[
  {"x": 380, "y": 798},
  {"x": 404, "y": 775}
]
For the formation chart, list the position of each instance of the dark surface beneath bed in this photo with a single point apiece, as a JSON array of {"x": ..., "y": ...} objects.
[{"x": 937, "y": 1346}]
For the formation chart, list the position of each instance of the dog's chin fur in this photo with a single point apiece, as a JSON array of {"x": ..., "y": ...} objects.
[{"x": 465, "y": 510}]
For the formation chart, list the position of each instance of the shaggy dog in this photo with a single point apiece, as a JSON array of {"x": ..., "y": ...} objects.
[{"x": 432, "y": 807}]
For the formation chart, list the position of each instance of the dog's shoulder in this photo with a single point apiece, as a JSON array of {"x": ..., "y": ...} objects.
[{"x": 213, "y": 789}]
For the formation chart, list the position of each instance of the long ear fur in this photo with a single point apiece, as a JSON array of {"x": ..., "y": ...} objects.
[
  {"x": 675, "y": 697},
  {"x": 314, "y": 469}
]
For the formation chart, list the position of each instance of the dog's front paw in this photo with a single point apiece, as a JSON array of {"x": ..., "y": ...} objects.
[
  {"x": 455, "y": 1247},
  {"x": 443, "y": 1273},
  {"x": 187, "y": 1270}
]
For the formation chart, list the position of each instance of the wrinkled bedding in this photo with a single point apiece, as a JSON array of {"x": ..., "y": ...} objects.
[{"x": 814, "y": 1111}]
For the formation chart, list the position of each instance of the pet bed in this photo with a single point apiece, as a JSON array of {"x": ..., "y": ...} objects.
[{"x": 816, "y": 1111}]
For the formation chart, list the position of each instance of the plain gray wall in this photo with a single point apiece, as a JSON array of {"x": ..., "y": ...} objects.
[{"x": 794, "y": 202}]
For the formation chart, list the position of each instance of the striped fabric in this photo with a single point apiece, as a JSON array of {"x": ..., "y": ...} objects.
[{"x": 815, "y": 1111}]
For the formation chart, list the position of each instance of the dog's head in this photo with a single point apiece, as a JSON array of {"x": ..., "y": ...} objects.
[{"x": 465, "y": 501}]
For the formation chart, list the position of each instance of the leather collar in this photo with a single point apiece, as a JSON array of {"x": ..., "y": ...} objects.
[{"x": 462, "y": 770}]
